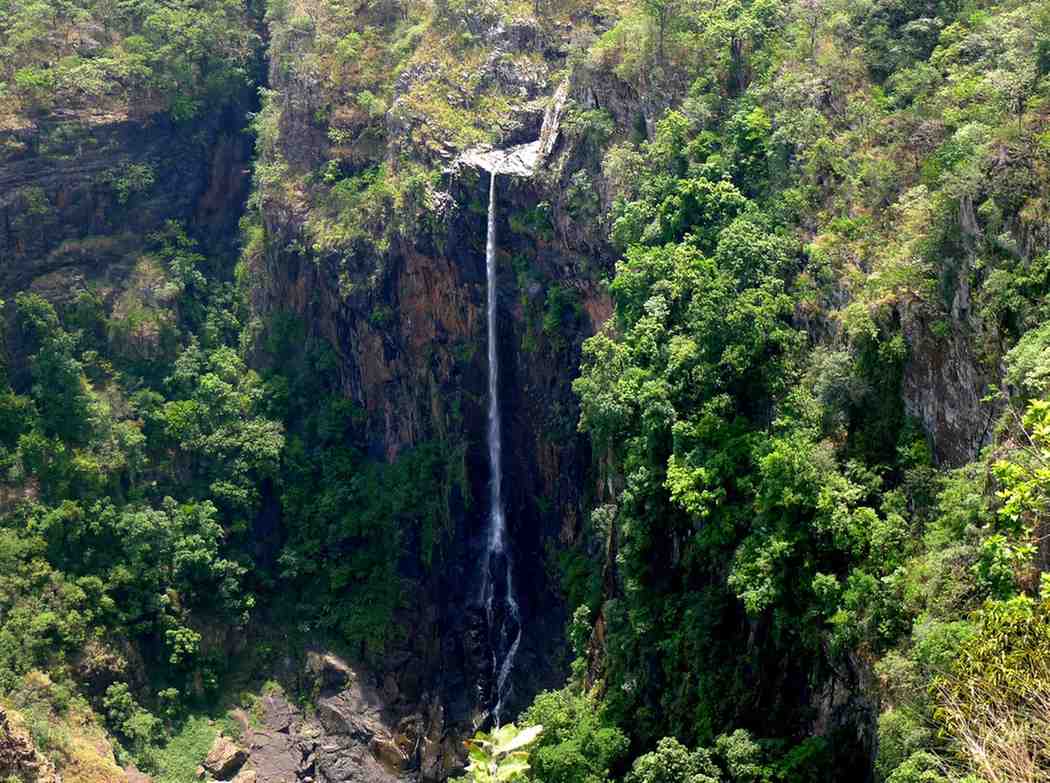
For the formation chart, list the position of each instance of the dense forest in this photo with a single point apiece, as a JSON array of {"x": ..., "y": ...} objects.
[{"x": 774, "y": 336}]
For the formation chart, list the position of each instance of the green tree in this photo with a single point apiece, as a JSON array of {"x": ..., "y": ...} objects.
[
  {"x": 672, "y": 762},
  {"x": 661, "y": 12},
  {"x": 59, "y": 388},
  {"x": 578, "y": 744}
]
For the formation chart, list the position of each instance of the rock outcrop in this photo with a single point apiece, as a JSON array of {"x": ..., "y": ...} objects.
[
  {"x": 331, "y": 672},
  {"x": 79, "y": 198},
  {"x": 19, "y": 757},
  {"x": 945, "y": 381},
  {"x": 225, "y": 758},
  {"x": 354, "y": 735}
]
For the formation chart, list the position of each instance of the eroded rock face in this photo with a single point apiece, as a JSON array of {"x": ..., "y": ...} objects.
[
  {"x": 78, "y": 199},
  {"x": 353, "y": 736},
  {"x": 20, "y": 759},
  {"x": 944, "y": 381}
]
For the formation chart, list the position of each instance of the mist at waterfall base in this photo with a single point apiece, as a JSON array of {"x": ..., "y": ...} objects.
[{"x": 497, "y": 596}]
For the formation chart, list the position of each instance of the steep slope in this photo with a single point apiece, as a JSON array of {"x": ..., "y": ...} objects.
[
  {"x": 372, "y": 234},
  {"x": 771, "y": 262}
]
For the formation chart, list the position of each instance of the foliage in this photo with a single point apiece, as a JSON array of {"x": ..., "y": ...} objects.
[
  {"x": 168, "y": 56},
  {"x": 772, "y": 475},
  {"x": 176, "y": 761},
  {"x": 671, "y": 762},
  {"x": 696, "y": 394},
  {"x": 578, "y": 742},
  {"x": 501, "y": 755},
  {"x": 813, "y": 203},
  {"x": 993, "y": 700}
]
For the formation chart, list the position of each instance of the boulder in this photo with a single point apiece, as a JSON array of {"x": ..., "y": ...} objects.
[
  {"x": 352, "y": 763},
  {"x": 241, "y": 718},
  {"x": 354, "y": 712},
  {"x": 248, "y": 776},
  {"x": 387, "y": 752},
  {"x": 276, "y": 757},
  {"x": 333, "y": 673},
  {"x": 225, "y": 758},
  {"x": 336, "y": 716}
]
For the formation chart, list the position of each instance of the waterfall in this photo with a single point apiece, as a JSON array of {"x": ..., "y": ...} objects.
[{"x": 497, "y": 578}]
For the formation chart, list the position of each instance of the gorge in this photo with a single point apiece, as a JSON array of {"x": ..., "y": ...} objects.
[{"x": 377, "y": 377}]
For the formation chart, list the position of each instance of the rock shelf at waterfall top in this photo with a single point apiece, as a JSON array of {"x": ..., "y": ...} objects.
[{"x": 520, "y": 161}]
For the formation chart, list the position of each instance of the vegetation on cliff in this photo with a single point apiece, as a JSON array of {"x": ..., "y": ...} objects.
[
  {"x": 840, "y": 183},
  {"x": 819, "y": 413},
  {"x": 112, "y": 59}
]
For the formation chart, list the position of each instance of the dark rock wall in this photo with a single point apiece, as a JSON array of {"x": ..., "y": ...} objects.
[
  {"x": 79, "y": 198},
  {"x": 420, "y": 374}
]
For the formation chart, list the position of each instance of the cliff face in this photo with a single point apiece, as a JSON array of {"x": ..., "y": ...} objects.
[
  {"x": 19, "y": 758},
  {"x": 368, "y": 225},
  {"x": 407, "y": 320},
  {"x": 79, "y": 196}
]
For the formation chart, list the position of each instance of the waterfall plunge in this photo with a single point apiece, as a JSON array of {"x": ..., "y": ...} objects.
[{"x": 502, "y": 614}]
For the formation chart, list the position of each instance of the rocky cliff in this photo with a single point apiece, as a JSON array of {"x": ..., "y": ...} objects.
[
  {"x": 19, "y": 758},
  {"x": 365, "y": 223},
  {"x": 404, "y": 310},
  {"x": 81, "y": 195}
]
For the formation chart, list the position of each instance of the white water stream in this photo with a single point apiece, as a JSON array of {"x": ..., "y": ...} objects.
[
  {"x": 497, "y": 579},
  {"x": 498, "y": 596}
]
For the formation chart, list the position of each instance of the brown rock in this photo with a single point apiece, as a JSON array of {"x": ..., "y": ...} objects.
[
  {"x": 134, "y": 775},
  {"x": 386, "y": 752},
  {"x": 245, "y": 776},
  {"x": 332, "y": 671},
  {"x": 241, "y": 718},
  {"x": 225, "y": 758},
  {"x": 19, "y": 757}
]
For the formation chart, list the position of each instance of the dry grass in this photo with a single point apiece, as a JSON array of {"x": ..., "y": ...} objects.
[{"x": 1003, "y": 742}]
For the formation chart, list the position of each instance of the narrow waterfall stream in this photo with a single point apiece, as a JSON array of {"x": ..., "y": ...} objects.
[{"x": 497, "y": 579}]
